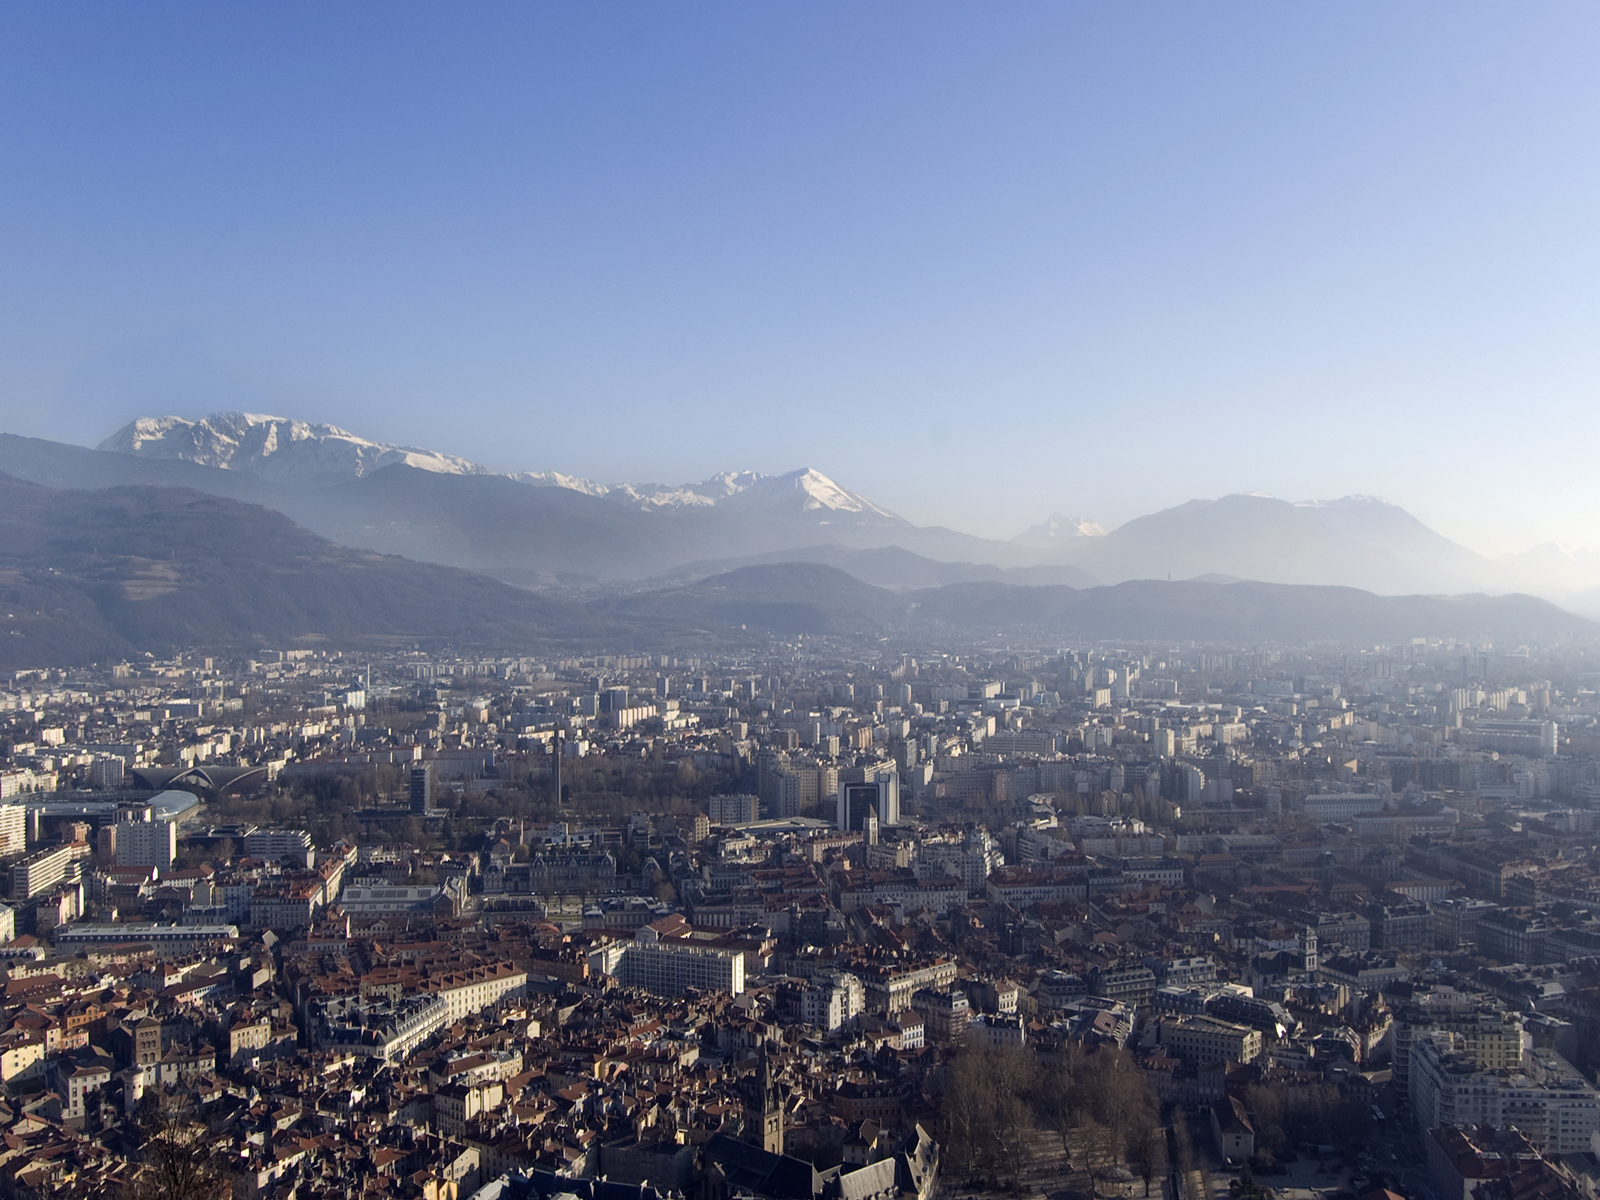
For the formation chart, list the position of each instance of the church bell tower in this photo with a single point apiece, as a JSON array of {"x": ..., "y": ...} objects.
[
  {"x": 1308, "y": 952},
  {"x": 763, "y": 1109}
]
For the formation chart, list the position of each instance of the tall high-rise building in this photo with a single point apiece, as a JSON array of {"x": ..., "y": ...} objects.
[
  {"x": 13, "y": 829},
  {"x": 106, "y": 771},
  {"x": 881, "y": 796},
  {"x": 422, "y": 787},
  {"x": 146, "y": 844}
]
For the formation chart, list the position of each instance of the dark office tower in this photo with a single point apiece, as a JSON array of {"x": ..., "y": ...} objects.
[
  {"x": 422, "y": 788},
  {"x": 555, "y": 751},
  {"x": 881, "y": 798}
]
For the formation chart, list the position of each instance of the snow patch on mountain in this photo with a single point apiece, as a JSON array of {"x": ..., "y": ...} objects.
[{"x": 1351, "y": 501}]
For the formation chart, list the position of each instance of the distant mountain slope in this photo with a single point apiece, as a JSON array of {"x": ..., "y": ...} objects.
[
  {"x": 1354, "y": 542},
  {"x": 784, "y": 598},
  {"x": 86, "y": 576},
  {"x": 1242, "y": 613},
  {"x": 90, "y": 575},
  {"x": 1551, "y": 569},
  {"x": 891, "y": 567},
  {"x": 815, "y": 598},
  {"x": 569, "y": 531}
]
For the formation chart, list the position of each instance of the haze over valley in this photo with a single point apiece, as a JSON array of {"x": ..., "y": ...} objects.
[{"x": 545, "y": 528}]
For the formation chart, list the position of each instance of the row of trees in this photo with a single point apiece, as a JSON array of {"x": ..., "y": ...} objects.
[{"x": 999, "y": 1101}]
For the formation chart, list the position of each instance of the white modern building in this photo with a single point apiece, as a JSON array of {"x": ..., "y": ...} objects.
[
  {"x": 834, "y": 999},
  {"x": 146, "y": 843},
  {"x": 668, "y": 967},
  {"x": 1544, "y": 1096}
]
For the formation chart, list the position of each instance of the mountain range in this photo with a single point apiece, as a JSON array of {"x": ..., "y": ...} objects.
[
  {"x": 96, "y": 575},
  {"x": 287, "y": 451},
  {"x": 551, "y": 530}
]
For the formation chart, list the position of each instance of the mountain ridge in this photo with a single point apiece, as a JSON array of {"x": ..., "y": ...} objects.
[
  {"x": 286, "y": 450},
  {"x": 553, "y": 530},
  {"x": 102, "y": 574}
]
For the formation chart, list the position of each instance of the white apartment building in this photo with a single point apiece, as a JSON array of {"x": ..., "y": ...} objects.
[
  {"x": 274, "y": 844},
  {"x": 1492, "y": 1039},
  {"x": 972, "y": 860},
  {"x": 477, "y": 988},
  {"x": 146, "y": 844},
  {"x": 996, "y": 1029},
  {"x": 669, "y": 968},
  {"x": 13, "y": 829},
  {"x": 735, "y": 810},
  {"x": 390, "y": 1035},
  {"x": 20, "y": 782},
  {"x": 284, "y": 905},
  {"x": 40, "y": 872},
  {"x": 833, "y": 1000},
  {"x": 1545, "y": 1096},
  {"x": 76, "y": 1084},
  {"x": 456, "y": 1104}
]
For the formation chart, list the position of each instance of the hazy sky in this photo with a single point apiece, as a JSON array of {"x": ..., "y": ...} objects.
[{"x": 979, "y": 262}]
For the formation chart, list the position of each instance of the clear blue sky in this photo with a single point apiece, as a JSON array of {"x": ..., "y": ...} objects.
[{"x": 979, "y": 262}]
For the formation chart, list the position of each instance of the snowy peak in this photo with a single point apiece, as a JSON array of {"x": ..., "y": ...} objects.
[
  {"x": 804, "y": 490},
  {"x": 1058, "y": 529},
  {"x": 275, "y": 448},
  {"x": 555, "y": 479},
  {"x": 302, "y": 452}
]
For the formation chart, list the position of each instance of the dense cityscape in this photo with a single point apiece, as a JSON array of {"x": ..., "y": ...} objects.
[
  {"x": 896, "y": 601},
  {"x": 823, "y": 919}
]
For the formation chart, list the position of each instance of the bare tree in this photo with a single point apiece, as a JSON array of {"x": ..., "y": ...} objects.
[
  {"x": 1147, "y": 1152},
  {"x": 1013, "y": 1131},
  {"x": 988, "y": 1119},
  {"x": 1121, "y": 1099},
  {"x": 1183, "y": 1149},
  {"x": 968, "y": 1109},
  {"x": 176, "y": 1161},
  {"x": 1058, "y": 1094},
  {"x": 1013, "y": 1070},
  {"x": 1094, "y": 1142}
]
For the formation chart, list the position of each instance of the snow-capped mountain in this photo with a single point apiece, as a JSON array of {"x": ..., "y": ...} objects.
[
  {"x": 1057, "y": 529},
  {"x": 545, "y": 526},
  {"x": 302, "y": 452},
  {"x": 275, "y": 448},
  {"x": 804, "y": 490}
]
